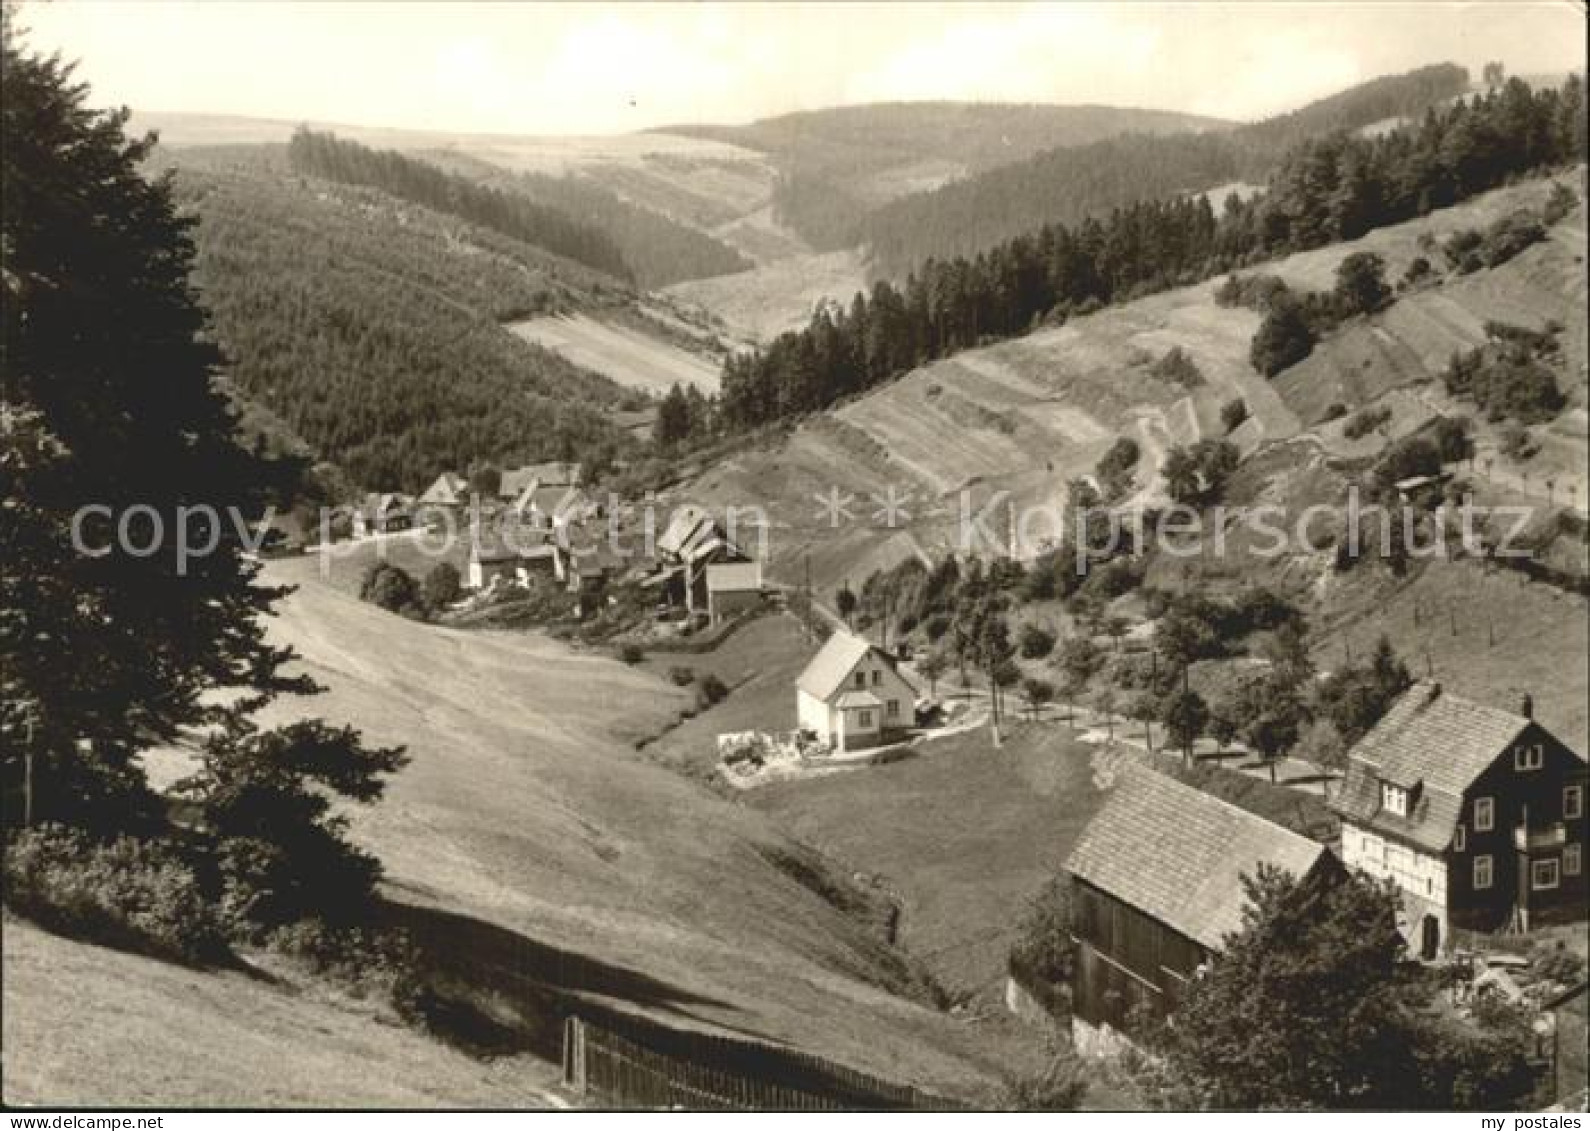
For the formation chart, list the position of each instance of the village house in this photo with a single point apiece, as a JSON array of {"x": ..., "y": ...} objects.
[
  {"x": 382, "y": 512},
  {"x": 514, "y": 559},
  {"x": 1476, "y": 814},
  {"x": 1157, "y": 887},
  {"x": 733, "y": 588},
  {"x": 691, "y": 543},
  {"x": 852, "y": 695}
]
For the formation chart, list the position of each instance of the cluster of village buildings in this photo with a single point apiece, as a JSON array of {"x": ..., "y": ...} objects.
[
  {"x": 542, "y": 521},
  {"x": 1475, "y": 813}
]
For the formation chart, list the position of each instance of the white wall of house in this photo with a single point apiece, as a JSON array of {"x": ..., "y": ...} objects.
[
  {"x": 876, "y": 676},
  {"x": 1415, "y": 872},
  {"x": 813, "y": 714},
  {"x": 1419, "y": 876}
]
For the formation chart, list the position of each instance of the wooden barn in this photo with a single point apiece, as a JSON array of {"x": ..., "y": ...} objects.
[{"x": 1157, "y": 877}]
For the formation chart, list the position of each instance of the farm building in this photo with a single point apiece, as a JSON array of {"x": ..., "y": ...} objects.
[
  {"x": 513, "y": 559},
  {"x": 852, "y": 695},
  {"x": 1157, "y": 876},
  {"x": 691, "y": 544},
  {"x": 733, "y": 588},
  {"x": 381, "y": 513},
  {"x": 1476, "y": 813}
]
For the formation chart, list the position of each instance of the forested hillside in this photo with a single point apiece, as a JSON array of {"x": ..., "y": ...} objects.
[
  {"x": 658, "y": 249},
  {"x": 1323, "y": 190},
  {"x": 336, "y": 159},
  {"x": 836, "y": 164},
  {"x": 371, "y": 328},
  {"x": 1066, "y": 185}
]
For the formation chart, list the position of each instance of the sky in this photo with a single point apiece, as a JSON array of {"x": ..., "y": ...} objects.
[{"x": 593, "y": 68}]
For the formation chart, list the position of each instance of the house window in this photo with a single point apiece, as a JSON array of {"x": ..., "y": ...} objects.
[
  {"x": 1543, "y": 875},
  {"x": 1394, "y": 799},
  {"x": 1572, "y": 801},
  {"x": 1571, "y": 860},
  {"x": 1528, "y": 757},
  {"x": 866, "y": 719},
  {"x": 1484, "y": 814},
  {"x": 894, "y": 708},
  {"x": 861, "y": 679},
  {"x": 877, "y": 678},
  {"x": 1482, "y": 873},
  {"x": 1459, "y": 839}
]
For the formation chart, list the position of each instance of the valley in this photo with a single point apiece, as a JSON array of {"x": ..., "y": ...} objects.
[{"x": 554, "y": 346}]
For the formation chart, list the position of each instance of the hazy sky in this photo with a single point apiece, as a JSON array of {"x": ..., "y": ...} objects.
[{"x": 603, "y": 68}]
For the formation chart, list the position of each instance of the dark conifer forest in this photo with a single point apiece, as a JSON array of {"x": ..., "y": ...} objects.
[
  {"x": 338, "y": 159},
  {"x": 1069, "y": 184},
  {"x": 1325, "y": 189},
  {"x": 377, "y": 340}
]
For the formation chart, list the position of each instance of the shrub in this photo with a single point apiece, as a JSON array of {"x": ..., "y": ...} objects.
[
  {"x": 936, "y": 626},
  {"x": 442, "y": 586},
  {"x": 1178, "y": 367},
  {"x": 682, "y": 676},
  {"x": 1233, "y": 413},
  {"x": 1256, "y": 292},
  {"x": 1562, "y": 201},
  {"x": 1283, "y": 339},
  {"x": 1516, "y": 443},
  {"x": 391, "y": 588},
  {"x": 1418, "y": 271},
  {"x": 1036, "y": 642},
  {"x": 631, "y": 653},
  {"x": 710, "y": 690},
  {"x": 1510, "y": 235},
  {"x": 131, "y": 894},
  {"x": 1366, "y": 422}
]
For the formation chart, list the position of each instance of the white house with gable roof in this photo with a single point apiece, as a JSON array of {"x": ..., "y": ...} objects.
[{"x": 853, "y": 696}]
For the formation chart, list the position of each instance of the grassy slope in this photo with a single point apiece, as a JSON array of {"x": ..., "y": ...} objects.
[
  {"x": 621, "y": 354},
  {"x": 782, "y": 295},
  {"x": 531, "y": 842},
  {"x": 74, "y": 1013},
  {"x": 963, "y": 833}
]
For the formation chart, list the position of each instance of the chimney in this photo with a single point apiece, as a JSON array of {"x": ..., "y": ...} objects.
[{"x": 1526, "y": 706}]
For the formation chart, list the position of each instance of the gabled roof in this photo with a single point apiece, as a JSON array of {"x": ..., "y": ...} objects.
[
  {"x": 683, "y": 523},
  {"x": 448, "y": 487},
  {"x": 734, "y": 577},
  {"x": 1431, "y": 740},
  {"x": 504, "y": 546},
  {"x": 515, "y": 481},
  {"x": 1178, "y": 854},
  {"x": 852, "y": 699},
  {"x": 552, "y": 474},
  {"x": 832, "y": 665}
]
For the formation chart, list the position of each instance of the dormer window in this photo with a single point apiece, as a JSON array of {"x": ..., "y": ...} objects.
[
  {"x": 1393, "y": 799},
  {"x": 1526, "y": 758}
]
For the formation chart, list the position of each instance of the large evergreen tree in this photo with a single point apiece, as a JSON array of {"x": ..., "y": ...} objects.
[{"x": 109, "y": 401}]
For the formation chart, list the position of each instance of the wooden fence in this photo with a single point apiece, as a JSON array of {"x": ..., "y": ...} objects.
[{"x": 619, "y": 1061}]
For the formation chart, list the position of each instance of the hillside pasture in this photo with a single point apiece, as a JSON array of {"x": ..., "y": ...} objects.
[
  {"x": 550, "y": 863},
  {"x": 622, "y": 354},
  {"x": 86, "y": 1026},
  {"x": 962, "y": 833},
  {"x": 780, "y": 295}
]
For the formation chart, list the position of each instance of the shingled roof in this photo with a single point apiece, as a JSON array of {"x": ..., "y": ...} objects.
[
  {"x": 1178, "y": 854},
  {"x": 832, "y": 665},
  {"x": 1432, "y": 741}
]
